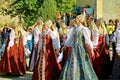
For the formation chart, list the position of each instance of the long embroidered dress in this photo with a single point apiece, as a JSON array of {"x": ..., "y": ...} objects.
[
  {"x": 11, "y": 61},
  {"x": 47, "y": 67},
  {"x": 21, "y": 53},
  {"x": 101, "y": 62},
  {"x": 78, "y": 65}
]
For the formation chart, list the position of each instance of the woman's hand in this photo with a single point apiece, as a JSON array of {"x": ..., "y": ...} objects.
[
  {"x": 92, "y": 52},
  {"x": 35, "y": 45},
  {"x": 8, "y": 49},
  {"x": 63, "y": 48},
  {"x": 119, "y": 54},
  {"x": 57, "y": 51}
]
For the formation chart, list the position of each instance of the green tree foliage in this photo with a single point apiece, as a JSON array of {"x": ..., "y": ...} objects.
[
  {"x": 26, "y": 9},
  {"x": 48, "y": 10},
  {"x": 66, "y": 5},
  {"x": 31, "y": 10}
]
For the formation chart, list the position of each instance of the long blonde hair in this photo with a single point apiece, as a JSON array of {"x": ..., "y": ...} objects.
[
  {"x": 40, "y": 21},
  {"x": 53, "y": 27},
  {"x": 81, "y": 18},
  {"x": 102, "y": 28},
  {"x": 91, "y": 24},
  {"x": 72, "y": 23},
  {"x": 63, "y": 29}
]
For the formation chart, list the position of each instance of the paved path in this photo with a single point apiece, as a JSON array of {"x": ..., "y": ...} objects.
[{"x": 27, "y": 76}]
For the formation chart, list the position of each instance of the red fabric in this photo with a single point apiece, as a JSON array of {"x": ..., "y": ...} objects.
[
  {"x": 10, "y": 61},
  {"x": 21, "y": 59},
  {"x": 101, "y": 58},
  {"x": 89, "y": 53},
  {"x": 65, "y": 55},
  {"x": 52, "y": 67}
]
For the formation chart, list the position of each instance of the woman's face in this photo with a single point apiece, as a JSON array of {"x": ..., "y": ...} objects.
[
  {"x": 97, "y": 24},
  {"x": 45, "y": 27},
  {"x": 77, "y": 21},
  {"x": 5, "y": 29},
  {"x": 71, "y": 25}
]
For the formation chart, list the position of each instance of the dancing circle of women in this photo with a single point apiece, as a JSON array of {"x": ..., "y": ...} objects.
[{"x": 79, "y": 51}]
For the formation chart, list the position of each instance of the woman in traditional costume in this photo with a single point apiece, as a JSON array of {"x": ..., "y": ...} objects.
[
  {"x": 94, "y": 35},
  {"x": 78, "y": 65},
  {"x": 63, "y": 33},
  {"x": 68, "y": 49},
  {"x": 116, "y": 65},
  {"x": 11, "y": 59},
  {"x": 101, "y": 60},
  {"x": 28, "y": 44},
  {"x": 37, "y": 30},
  {"x": 20, "y": 32},
  {"x": 47, "y": 67}
]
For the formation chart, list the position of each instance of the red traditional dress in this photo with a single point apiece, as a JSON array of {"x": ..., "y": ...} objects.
[
  {"x": 21, "y": 54},
  {"x": 47, "y": 67},
  {"x": 67, "y": 50},
  {"x": 101, "y": 58},
  {"x": 11, "y": 62}
]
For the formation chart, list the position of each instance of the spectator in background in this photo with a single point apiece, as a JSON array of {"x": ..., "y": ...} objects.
[
  {"x": 58, "y": 20},
  {"x": 116, "y": 22},
  {"x": 65, "y": 18},
  {"x": 110, "y": 27},
  {"x": 5, "y": 33}
]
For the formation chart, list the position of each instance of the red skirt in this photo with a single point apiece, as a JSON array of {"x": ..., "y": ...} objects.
[
  {"x": 21, "y": 54},
  {"x": 101, "y": 59},
  {"x": 9, "y": 61},
  {"x": 65, "y": 55},
  {"x": 12, "y": 61}
]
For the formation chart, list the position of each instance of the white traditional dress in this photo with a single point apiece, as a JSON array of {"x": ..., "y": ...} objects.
[{"x": 34, "y": 57}]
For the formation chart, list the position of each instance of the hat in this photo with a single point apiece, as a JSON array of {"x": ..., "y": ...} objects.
[{"x": 49, "y": 23}]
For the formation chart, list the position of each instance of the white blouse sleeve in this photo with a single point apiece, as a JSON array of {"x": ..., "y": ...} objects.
[
  {"x": 95, "y": 37},
  {"x": 70, "y": 38},
  {"x": 58, "y": 39},
  {"x": 55, "y": 40},
  {"x": 12, "y": 37},
  {"x": 36, "y": 36},
  {"x": 117, "y": 41},
  {"x": 114, "y": 37},
  {"x": 87, "y": 38},
  {"x": 25, "y": 38}
]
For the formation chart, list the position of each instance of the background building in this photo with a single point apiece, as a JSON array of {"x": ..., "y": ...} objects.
[{"x": 108, "y": 9}]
